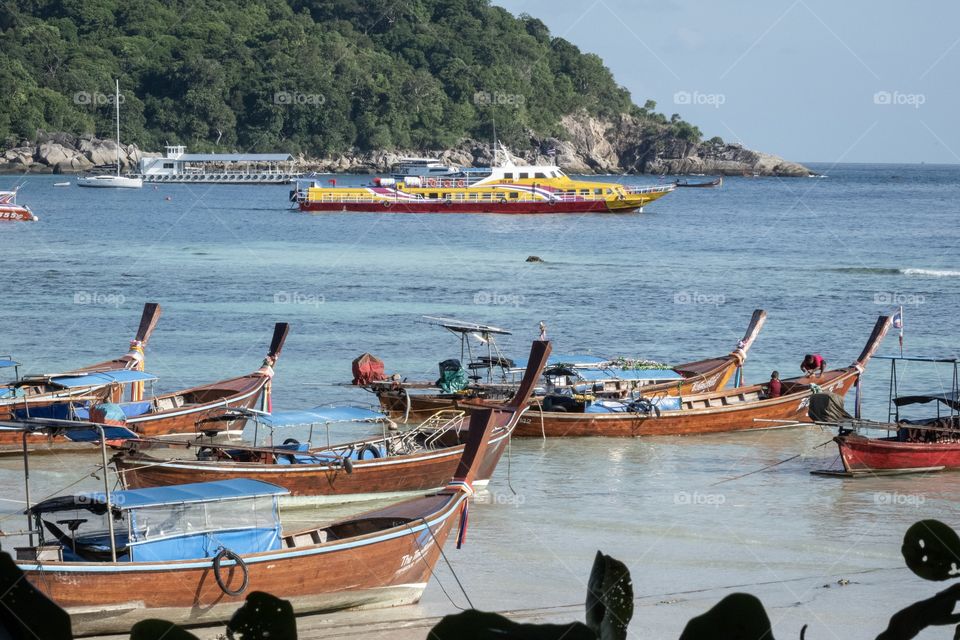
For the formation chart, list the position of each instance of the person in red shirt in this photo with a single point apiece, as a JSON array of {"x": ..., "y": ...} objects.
[
  {"x": 813, "y": 364},
  {"x": 774, "y": 388}
]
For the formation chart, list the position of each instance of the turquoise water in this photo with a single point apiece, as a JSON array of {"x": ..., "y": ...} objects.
[{"x": 823, "y": 256}]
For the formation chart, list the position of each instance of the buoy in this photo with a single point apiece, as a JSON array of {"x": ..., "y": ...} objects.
[
  {"x": 167, "y": 198},
  {"x": 534, "y": 259}
]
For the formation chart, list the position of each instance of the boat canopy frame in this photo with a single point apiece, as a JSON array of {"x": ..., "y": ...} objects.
[{"x": 950, "y": 399}]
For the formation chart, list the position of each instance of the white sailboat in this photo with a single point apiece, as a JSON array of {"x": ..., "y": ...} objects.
[{"x": 113, "y": 181}]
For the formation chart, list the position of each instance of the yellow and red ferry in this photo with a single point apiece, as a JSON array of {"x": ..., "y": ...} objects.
[{"x": 501, "y": 189}]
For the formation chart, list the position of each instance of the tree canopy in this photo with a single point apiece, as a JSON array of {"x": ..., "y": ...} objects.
[{"x": 310, "y": 76}]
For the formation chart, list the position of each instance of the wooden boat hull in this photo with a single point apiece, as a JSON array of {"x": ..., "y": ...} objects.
[
  {"x": 386, "y": 568},
  {"x": 370, "y": 478},
  {"x": 743, "y": 416},
  {"x": 865, "y": 455},
  {"x": 400, "y": 405}
]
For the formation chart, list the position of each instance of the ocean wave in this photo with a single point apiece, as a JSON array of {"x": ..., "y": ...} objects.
[
  {"x": 888, "y": 271},
  {"x": 933, "y": 273}
]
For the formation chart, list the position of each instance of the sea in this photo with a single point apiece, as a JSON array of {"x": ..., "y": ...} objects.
[{"x": 693, "y": 518}]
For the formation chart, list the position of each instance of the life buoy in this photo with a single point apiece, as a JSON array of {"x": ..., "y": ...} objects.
[
  {"x": 230, "y": 555},
  {"x": 386, "y": 203},
  {"x": 503, "y": 200},
  {"x": 372, "y": 449},
  {"x": 461, "y": 183}
]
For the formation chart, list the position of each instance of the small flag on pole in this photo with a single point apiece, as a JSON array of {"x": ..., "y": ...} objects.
[{"x": 898, "y": 324}]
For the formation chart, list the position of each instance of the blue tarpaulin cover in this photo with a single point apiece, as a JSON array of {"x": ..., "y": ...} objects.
[
  {"x": 121, "y": 376},
  {"x": 93, "y": 435},
  {"x": 8, "y": 363},
  {"x": 628, "y": 374},
  {"x": 320, "y": 415},
  {"x": 176, "y": 494}
]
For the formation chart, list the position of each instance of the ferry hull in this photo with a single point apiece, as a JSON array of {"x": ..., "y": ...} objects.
[{"x": 598, "y": 206}]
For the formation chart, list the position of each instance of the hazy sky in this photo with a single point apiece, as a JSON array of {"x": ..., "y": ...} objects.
[{"x": 811, "y": 80}]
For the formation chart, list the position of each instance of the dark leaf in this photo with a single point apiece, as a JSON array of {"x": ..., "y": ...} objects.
[
  {"x": 938, "y": 610},
  {"x": 479, "y": 625},
  {"x": 609, "y": 598},
  {"x": 931, "y": 550},
  {"x": 263, "y": 616},
  {"x": 25, "y": 612},
  {"x": 739, "y": 616},
  {"x": 159, "y": 630}
]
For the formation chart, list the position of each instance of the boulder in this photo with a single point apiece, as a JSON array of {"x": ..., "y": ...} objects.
[{"x": 53, "y": 153}]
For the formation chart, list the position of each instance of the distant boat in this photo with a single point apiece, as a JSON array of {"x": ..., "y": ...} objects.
[
  {"x": 61, "y": 184},
  {"x": 713, "y": 183},
  {"x": 10, "y": 211},
  {"x": 112, "y": 181}
]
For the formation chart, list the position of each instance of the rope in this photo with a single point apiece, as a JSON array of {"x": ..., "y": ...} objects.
[
  {"x": 444, "y": 556},
  {"x": 770, "y": 466}
]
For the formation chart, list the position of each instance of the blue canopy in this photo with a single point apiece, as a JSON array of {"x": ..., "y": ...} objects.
[
  {"x": 102, "y": 378},
  {"x": 320, "y": 415},
  {"x": 92, "y": 434},
  {"x": 8, "y": 363},
  {"x": 614, "y": 373},
  {"x": 220, "y": 490},
  {"x": 572, "y": 360}
]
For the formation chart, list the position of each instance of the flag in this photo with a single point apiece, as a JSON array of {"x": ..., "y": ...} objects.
[{"x": 898, "y": 324}]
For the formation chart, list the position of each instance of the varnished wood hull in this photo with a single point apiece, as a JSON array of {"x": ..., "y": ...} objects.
[
  {"x": 762, "y": 414},
  {"x": 865, "y": 455},
  {"x": 418, "y": 472},
  {"x": 419, "y": 407},
  {"x": 387, "y": 568}
]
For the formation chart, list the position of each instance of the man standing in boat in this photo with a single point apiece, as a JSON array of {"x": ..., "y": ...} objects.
[{"x": 813, "y": 364}]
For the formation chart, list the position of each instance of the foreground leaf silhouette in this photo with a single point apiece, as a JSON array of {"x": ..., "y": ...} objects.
[
  {"x": 739, "y": 616},
  {"x": 609, "y": 598},
  {"x": 24, "y": 611},
  {"x": 480, "y": 625}
]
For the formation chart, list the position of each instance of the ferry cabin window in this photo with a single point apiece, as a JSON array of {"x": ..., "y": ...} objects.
[
  {"x": 508, "y": 176},
  {"x": 168, "y": 165},
  {"x": 540, "y": 175},
  {"x": 584, "y": 192},
  {"x": 597, "y": 192},
  {"x": 514, "y": 194},
  {"x": 434, "y": 195},
  {"x": 609, "y": 191},
  {"x": 524, "y": 176},
  {"x": 487, "y": 196}
]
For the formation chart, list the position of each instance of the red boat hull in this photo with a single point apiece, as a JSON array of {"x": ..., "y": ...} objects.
[
  {"x": 463, "y": 207},
  {"x": 862, "y": 455},
  {"x": 16, "y": 213}
]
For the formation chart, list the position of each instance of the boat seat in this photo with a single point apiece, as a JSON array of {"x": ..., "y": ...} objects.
[{"x": 317, "y": 536}]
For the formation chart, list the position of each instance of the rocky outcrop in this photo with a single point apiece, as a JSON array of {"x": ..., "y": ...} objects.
[
  {"x": 64, "y": 153},
  {"x": 627, "y": 144}
]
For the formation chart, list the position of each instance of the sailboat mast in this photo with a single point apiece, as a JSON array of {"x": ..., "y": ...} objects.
[{"x": 116, "y": 102}]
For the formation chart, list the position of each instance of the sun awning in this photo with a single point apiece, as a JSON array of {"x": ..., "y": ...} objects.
[
  {"x": 948, "y": 398},
  {"x": 320, "y": 415},
  {"x": 217, "y": 491},
  {"x": 103, "y": 378},
  {"x": 8, "y": 363},
  {"x": 614, "y": 373}
]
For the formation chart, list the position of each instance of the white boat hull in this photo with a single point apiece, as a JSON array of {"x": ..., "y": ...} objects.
[{"x": 110, "y": 182}]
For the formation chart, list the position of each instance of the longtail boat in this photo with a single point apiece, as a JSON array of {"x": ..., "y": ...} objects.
[
  {"x": 718, "y": 182},
  {"x": 189, "y": 553},
  {"x": 45, "y": 391},
  {"x": 510, "y": 189},
  {"x": 700, "y": 376},
  {"x": 735, "y": 409},
  {"x": 415, "y": 460},
  {"x": 180, "y": 412},
  {"x": 909, "y": 446}
]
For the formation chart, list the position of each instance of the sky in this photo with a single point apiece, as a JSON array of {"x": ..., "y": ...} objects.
[{"x": 809, "y": 80}]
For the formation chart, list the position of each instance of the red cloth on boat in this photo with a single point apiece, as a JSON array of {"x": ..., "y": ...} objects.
[{"x": 366, "y": 369}]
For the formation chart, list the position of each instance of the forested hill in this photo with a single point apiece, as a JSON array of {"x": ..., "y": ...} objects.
[{"x": 313, "y": 77}]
